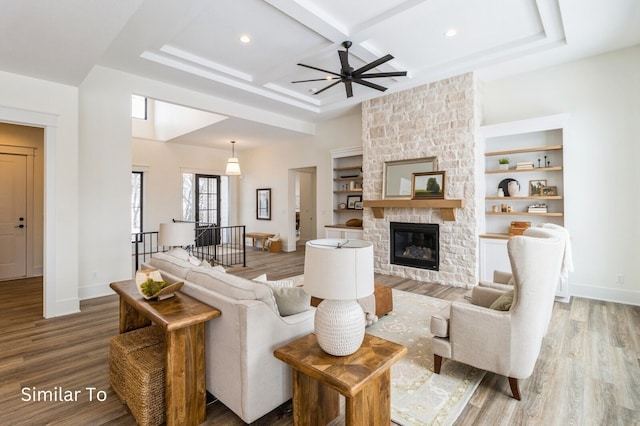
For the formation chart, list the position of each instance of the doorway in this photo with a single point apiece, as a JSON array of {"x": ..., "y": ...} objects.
[
  {"x": 304, "y": 182},
  {"x": 21, "y": 201},
  {"x": 47, "y": 123}
]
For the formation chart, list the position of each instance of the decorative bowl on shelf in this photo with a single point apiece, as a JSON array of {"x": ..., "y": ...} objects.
[{"x": 151, "y": 285}]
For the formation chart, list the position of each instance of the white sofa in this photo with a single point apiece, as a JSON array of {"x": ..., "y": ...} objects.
[{"x": 241, "y": 369}]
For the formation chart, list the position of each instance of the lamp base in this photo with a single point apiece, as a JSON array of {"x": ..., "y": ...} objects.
[{"x": 339, "y": 326}]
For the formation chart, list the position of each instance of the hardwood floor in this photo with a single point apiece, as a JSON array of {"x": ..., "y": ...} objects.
[{"x": 588, "y": 372}]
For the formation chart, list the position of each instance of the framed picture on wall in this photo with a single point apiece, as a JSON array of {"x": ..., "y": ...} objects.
[
  {"x": 428, "y": 185},
  {"x": 263, "y": 204},
  {"x": 352, "y": 200}
]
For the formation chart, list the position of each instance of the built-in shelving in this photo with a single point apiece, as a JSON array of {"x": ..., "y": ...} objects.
[
  {"x": 346, "y": 166},
  {"x": 539, "y": 141}
]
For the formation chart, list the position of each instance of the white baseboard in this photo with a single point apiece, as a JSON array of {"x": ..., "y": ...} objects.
[
  {"x": 607, "y": 294},
  {"x": 65, "y": 307},
  {"x": 96, "y": 290}
]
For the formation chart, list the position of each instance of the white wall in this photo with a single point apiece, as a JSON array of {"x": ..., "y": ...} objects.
[
  {"x": 105, "y": 153},
  {"x": 270, "y": 167},
  {"x": 602, "y": 153},
  {"x": 163, "y": 165},
  {"x": 25, "y": 100}
]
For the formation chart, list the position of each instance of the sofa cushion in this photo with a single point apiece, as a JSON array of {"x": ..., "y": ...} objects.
[
  {"x": 171, "y": 264},
  {"x": 231, "y": 286},
  {"x": 504, "y": 302}
]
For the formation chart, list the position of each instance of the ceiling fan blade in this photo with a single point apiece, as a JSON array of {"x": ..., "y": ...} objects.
[
  {"x": 384, "y": 74},
  {"x": 373, "y": 64},
  {"x": 315, "y": 79},
  {"x": 329, "y": 86},
  {"x": 370, "y": 84},
  {"x": 344, "y": 61},
  {"x": 320, "y": 69},
  {"x": 348, "y": 88}
]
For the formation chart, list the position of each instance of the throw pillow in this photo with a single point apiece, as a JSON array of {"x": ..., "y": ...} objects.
[
  {"x": 278, "y": 283},
  {"x": 291, "y": 300},
  {"x": 180, "y": 253},
  {"x": 194, "y": 261},
  {"x": 504, "y": 302}
]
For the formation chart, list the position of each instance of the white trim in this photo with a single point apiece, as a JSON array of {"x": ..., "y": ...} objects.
[
  {"x": 93, "y": 291},
  {"x": 537, "y": 124},
  {"x": 606, "y": 294},
  {"x": 66, "y": 307},
  {"x": 50, "y": 306}
]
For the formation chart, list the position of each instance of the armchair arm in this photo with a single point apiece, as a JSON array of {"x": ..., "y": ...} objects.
[{"x": 480, "y": 337}]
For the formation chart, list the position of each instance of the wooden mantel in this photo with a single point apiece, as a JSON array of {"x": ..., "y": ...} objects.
[{"x": 447, "y": 207}]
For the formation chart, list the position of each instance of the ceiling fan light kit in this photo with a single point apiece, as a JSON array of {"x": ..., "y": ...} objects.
[{"x": 348, "y": 75}]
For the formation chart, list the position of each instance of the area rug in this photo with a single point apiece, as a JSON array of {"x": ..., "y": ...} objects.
[{"x": 418, "y": 395}]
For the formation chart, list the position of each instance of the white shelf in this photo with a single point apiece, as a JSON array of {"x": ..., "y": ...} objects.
[{"x": 540, "y": 141}]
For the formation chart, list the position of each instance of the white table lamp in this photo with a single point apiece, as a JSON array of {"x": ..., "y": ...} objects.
[
  {"x": 176, "y": 234},
  {"x": 340, "y": 272}
]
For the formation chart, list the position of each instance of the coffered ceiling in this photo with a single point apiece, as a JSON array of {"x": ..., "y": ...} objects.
[{"x": 196, "y": 43}]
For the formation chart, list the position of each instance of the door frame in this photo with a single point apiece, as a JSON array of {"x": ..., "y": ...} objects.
[
  {"x": 49, "y": 123},
  {"x": 29, "y": 154},
  {"x": 291, "y": 217}
]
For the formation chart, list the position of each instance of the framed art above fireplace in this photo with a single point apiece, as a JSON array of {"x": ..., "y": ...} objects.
[{"x": 397, "y": 176}]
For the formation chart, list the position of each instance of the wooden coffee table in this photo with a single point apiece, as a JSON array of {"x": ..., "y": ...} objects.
[
  {"x": 364, "y": 378},
  {"x": 182, "y": 318},
  {"x": 382, "y": 295}
]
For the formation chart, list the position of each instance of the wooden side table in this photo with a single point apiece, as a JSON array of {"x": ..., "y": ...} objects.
[
  {"x": 364, "y": 378},
  {"x": 182, "y": 318}
]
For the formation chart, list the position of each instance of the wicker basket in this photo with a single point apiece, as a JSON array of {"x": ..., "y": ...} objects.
[
  {"x": 145, "y": 379},
  {"x": 122, "y": 345}
]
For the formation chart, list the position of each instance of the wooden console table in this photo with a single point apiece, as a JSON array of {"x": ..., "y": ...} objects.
[
  {"x": 364, "y": 378},
  {"x": 262, "y": 236},
  {"x": 182, "y": 318}
]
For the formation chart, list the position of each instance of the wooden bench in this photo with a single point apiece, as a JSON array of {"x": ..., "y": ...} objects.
[{"x": 259, "y": 236}]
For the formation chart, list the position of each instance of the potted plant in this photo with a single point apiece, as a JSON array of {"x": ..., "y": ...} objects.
[{"x": 503, "y": 163}]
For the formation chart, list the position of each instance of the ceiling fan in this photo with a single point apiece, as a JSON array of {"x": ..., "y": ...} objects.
[{"x": 348, "y": 75}]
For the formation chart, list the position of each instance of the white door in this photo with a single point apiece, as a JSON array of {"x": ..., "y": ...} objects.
[{"x": 13, "y": 209}]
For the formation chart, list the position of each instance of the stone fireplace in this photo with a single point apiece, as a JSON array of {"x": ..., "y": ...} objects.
[
  {"x": 415, "y": 244},
  {"x": 438, "y": 119}
]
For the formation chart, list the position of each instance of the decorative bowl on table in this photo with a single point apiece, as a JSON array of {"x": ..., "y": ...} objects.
[{"x": 151, "y": 285}]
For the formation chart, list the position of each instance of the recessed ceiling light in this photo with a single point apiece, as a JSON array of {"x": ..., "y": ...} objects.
[
  {"x": 451, "y": 32},
  {"x": 245, "y": 38}
]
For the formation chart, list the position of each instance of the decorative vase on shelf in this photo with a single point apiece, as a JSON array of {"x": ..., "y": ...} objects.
[
  {"x": 513, "y": 188},
  {"x": 500, "y": 192}
]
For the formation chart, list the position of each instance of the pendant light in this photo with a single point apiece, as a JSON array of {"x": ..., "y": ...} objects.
[{"x": 233, "y": 166}]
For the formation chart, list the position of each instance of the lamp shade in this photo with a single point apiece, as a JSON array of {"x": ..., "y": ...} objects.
[
  {"x": 176, "y": 234},
  {"x": 233, "y": 167},
  {"x": 338, "y": 269}
]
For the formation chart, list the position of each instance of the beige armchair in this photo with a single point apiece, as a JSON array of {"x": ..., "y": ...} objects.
[{"x": 505, "y": 342}]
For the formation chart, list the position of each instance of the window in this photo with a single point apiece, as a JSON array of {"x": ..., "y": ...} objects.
[
  {"x": 212, "y": 194},
  {"x": 139, "y": 107},
  {"x": 208, "y": 196},
  {"x": 136, "y": 202}
]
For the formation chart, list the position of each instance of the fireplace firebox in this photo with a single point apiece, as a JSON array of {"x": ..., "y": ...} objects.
[{"x": 415, "y": 244}]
